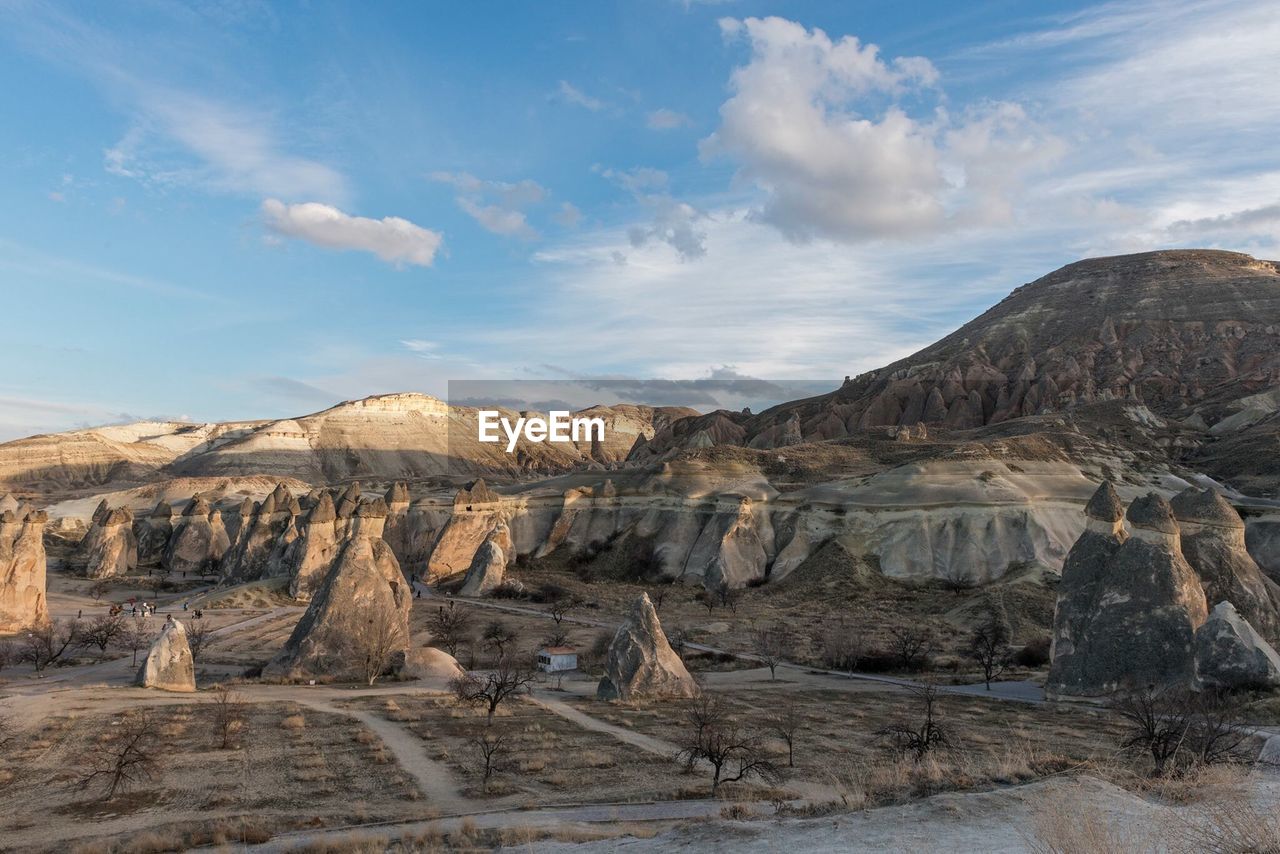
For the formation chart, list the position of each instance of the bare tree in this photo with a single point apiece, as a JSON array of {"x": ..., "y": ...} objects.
[
  {"x": 123, "y": 758},
  {"x": 773, "y": 645},
  {"x": 841, "y": 648},
  {"x": 368, "y": 642},
  {"x": 47, "y": 643},
  {"x": 784, "y": 722},
  {"x": 958, "y": 578},
  {"x": 1179, "y": 728},
  {"x": 491, "y": 689},
  {"x": 102, "y": 631},
  {"x": 707, "y": 599},
  {"x": 9, "y": 654},
  {"x": 229, "y": 718},
  {"x": 713, "y": 737},
  {"x": 97, "y": 589},
  {"x": 560, "y": 608},
  {"x": 925, "y": 735},
  {"x": 497, "y": 636},
  {"x": 491, "y": 751},
  {"x": 556, "y": 637},
  {"x": 137, "y": 636},
  {"x": 729, "y": 597},
  {"x": 200, "y": 636},
  {"x": 989, "y": 646},
  {"x": 450, "y": 627},
  {"x": 912, "y": 645}
]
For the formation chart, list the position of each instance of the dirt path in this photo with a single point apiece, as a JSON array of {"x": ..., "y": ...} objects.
[
  {"x": 645, "y": 742},
  {"x": 434, "y": 778}
]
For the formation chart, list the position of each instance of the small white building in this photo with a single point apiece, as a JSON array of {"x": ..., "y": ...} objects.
[{"x": 555, "y": 659}]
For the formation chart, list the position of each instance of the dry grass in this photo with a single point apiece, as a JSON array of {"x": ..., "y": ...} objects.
[{"x": 293, "y": 722}]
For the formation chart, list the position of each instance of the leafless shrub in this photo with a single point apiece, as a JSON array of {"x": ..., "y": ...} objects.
[
  {"x": 491, "y": 689},
  {"x": 102, "y": 631},
  {"x": 912, "y": 645},
  {"x": 49, "y": 642},
  {"x": 125, "y": 757},
  {"x": 1181, "y": 729},
  {"x": 450, "y": 627},
  {"x": 229, "y": 718},
  {"x": 773, "y": 645},
  {"x": 137, "y": 636},
  {"x": 200, "y": 636},
  {"x": 712, "y": 736},
  {"x": 989, "y": 647},
  {"x": 841, "y": 648},
  {"x": 784, "y": 722},
  {"x": 497, "y": 637},
  {"x": 491, "y": 750},
  {"x": 923, "y": 735}
]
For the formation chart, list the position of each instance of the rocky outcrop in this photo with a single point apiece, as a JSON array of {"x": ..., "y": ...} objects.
[
  {"x": 1212, "y": 537},
  {"x": 360, "y": 610},
  {"x": 429, "y": 663},
  {"x": 109, "y": 547},
  {"x": 259, "y": 548},
  {"x": 1231, "y": 655},
  {"x": 641, "y": 663},
  {"x": 169, "y": 665},
  {"x": 22, "y": 571},
  {"x": 152, "y": 533},
  {"x": 313, "y": 552},
  {"x": 488, "y": 566},
  {"x": 477, "y": 512},
  {"x": 1127, "y": 608},
  {"x": 397, "y": 532},
  {"x": 1262, "y": 538},
  {"x": 199, "y": 540}
]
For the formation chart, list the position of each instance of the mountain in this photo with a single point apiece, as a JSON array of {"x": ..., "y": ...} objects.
[
  {"x": 1192, "y": 335},
  {"x": 385, "y": 437}
]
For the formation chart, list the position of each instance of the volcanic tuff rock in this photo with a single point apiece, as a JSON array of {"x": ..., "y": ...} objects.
[
  {"x": 487, "y": 567},
  {"x": 1213, "y": 543},
  {"x": 199, "y": 539},
  {"x": 312, "y": 554},
  {"x": 641, "y": 663},
  {"x": 22, "y": 571},
  {"x": 169, "y": 665},
  {"x": 152, "y": 531},
  {"x": 110, "y": 547},
  {"x": 259, "y": 547},
  {"x": 362, "y": 605},
  {"x": 1230, "y": 654},
  {"x": 1127, "y": 608},
  {"x": 1262, "y": 538},
  {"x": 477, "y": 512}
]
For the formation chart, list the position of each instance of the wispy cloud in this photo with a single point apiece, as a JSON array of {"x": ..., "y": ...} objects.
[
  {"x": 496, "y": 205},
  {"x": 219, "y": 147},
  {"x": 571, "y": 94},
  {"x": 664, "y": 119},
  {"x": 395, "y": 240}
]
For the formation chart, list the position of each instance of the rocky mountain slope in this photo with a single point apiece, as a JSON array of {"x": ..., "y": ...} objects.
[
  {"x": 1193, "y": 335},
  {"x": 383, "y": 437}
]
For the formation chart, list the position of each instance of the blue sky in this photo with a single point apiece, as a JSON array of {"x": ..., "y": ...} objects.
[{"x": 228, "y": 210}]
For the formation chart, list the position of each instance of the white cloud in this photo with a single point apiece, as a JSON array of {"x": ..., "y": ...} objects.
[
  {"x": 219, "y": 147},
  {"x": 806, "y": 126},
  {"x": 392, "y": 239},
  {"x": 496, "y": 205},
  {"x": 571, "y": 94},
  {"x": 673, "y": 222},
  {"x": 664, "y": 119}
]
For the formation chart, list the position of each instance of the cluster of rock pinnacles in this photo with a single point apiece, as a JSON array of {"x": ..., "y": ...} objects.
[{"x": 1173, "y": 600}]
